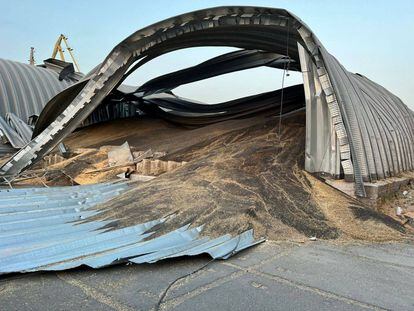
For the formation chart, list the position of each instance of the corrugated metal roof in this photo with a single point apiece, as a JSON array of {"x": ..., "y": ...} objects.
[
  {"x": 51, "y": 229},
  {"x": 25, "y": 89},
  {"x": 380, "y": 126}
]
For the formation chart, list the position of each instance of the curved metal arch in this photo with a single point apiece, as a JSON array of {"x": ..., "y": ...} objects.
[{"x": 231, "y": 26}]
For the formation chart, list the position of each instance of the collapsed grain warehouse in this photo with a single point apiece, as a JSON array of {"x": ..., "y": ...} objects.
[{"x": 197, "y": 177}]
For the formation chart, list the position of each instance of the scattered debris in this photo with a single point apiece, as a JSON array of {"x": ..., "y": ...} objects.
[
  {"x": 109, "y": 168},
  {"x": 230, "y": 175},
  {"x": 52, "y": 159},
  {"x": 142, "y": 178},
  {"x": 140, "y": 155},
  {"x": 120, "y": 155},
  {"x": 127, "y": 174}
]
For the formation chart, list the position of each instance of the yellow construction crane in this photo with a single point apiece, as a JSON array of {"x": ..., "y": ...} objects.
[{"x": 58, "y": 48}]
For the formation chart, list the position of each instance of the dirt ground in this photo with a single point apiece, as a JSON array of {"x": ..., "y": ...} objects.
[{"x": 240, "y": 174}]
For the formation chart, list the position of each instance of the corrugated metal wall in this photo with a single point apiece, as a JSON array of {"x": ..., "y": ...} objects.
[{"x": 380, "y": 126}]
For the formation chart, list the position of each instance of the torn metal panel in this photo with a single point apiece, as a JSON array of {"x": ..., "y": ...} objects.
[
  {"x": 65, "y": 70},
  {"x": 14, "y": 131},
  {"x": 322, "y": 150},
  {"x": 127, "y": 101},
  {"x": 11, "y": 135},
  {"x": 52, "y": 229},
  {"x": 24, "y": 130},
  {"x": 186, "y": 112},
  {"x": 119, "y": 104}
]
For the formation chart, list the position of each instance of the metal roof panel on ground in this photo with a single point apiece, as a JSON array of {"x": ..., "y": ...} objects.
[{"x": 51, "y": 229}]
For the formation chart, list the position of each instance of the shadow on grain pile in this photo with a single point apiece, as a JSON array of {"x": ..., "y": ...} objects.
[{"x": 250, "y": 177}]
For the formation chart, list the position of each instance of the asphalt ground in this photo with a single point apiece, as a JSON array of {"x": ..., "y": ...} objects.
[{"x": 272, "y": 276}]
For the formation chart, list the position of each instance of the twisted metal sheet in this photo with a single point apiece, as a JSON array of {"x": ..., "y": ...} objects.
[{"x": 52, "y": 229}]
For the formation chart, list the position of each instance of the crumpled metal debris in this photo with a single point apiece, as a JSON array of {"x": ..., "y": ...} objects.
[{"x": 52, "y": 229}]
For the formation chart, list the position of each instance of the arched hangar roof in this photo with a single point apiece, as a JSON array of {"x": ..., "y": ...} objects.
[{"x": 25, "y": 89}]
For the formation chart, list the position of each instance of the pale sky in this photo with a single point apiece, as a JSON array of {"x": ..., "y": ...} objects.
[{"x": 374, "y": 38}]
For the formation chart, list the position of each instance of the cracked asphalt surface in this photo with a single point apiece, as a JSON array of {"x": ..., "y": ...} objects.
[{"x": 271, "y": 276}]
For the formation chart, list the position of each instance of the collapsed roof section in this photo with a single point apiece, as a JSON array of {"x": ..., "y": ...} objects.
[
  {"x": 355, "y": 127},
  {"x": 157, "y": 99}
]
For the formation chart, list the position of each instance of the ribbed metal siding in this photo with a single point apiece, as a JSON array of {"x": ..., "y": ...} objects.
[
  {"x": 25, "y": 89},
  {"x": 380, "y": 126}
]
